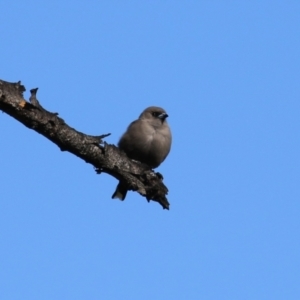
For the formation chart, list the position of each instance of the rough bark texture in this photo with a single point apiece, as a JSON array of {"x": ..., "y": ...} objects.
[{"x": 104, "y": 157}]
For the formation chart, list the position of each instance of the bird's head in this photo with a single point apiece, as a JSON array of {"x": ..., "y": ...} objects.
[{"x": 156, "y": 115}]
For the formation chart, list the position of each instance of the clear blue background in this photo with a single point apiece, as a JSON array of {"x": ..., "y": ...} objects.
[{"x": 227, "y": 72}]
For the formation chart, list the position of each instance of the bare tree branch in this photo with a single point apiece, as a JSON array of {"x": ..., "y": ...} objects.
[{"x": 104, "y": 157}]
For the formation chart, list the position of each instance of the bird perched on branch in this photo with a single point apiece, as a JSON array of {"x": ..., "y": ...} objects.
[{"x": 148, "y": 140}]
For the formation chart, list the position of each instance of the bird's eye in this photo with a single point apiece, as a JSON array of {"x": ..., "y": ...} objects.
[{"x": 155, "y": 114}]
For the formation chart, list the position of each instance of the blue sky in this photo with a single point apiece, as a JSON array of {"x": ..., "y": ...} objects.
[{"x": 227, "y": 72}]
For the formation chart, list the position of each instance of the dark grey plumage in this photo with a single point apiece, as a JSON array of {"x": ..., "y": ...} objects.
[{"x": 148, "y": 140}]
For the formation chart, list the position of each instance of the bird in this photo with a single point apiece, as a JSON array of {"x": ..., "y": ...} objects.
[{"x": 147, "y": 140}]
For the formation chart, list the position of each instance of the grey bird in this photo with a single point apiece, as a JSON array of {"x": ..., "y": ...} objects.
[{"x": 148, "y": 140}]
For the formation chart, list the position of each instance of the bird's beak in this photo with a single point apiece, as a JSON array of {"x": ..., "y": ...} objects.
[{"x": 163, "y": 116}]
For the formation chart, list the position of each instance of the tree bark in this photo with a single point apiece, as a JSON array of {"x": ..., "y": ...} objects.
[{"x": 92, "y": 149}]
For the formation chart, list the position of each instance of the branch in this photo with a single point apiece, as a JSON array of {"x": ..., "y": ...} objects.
[{"x": 104, "y": 157}]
